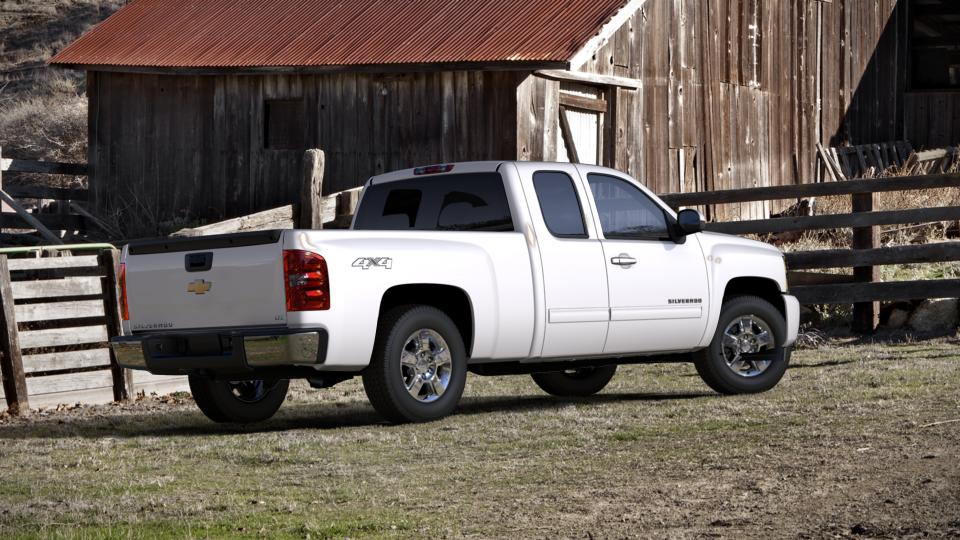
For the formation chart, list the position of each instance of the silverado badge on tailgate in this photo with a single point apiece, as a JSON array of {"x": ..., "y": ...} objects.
[{"x": 199, "y": 286}]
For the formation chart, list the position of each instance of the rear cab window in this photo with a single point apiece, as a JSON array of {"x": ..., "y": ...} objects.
[
  {"x": 450, "y": 202},
  {"x": 559, "y": 204}
]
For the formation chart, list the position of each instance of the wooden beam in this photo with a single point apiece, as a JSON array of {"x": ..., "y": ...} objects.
[
  {"x": 44, "y": 192},
  {"x": 43, "y": 167},
  {"x": 54, "y": 288},
  {"x": 567, "y": 135},
  {"x": 58, "y": 311},
  {"x": 46, "y": 263},
  {"x": 833, "y": 169},
  {"x": 824, "y": 189},
  {"x": 311, "y": 190},
  {"x": 844, "y": 258},
  {"x": 57, "y": 337},
  {"x": 59, "y": 361},
  {"x": 572, "y": 101},
  {"x": 34, "y": 223},
  {"x": 590, "y": 78},
  {"x": 866, "y": 315},
  {"x": 122, "y": 378},
  {"x": 11, "y": 361},
  {"x": 795, "y": 279},
  {"x": 276, "y": 218},
  {"x": 838, "y": 221},
  {"x": 52, "y": 222},
  {"x": 850, "y": 293}
]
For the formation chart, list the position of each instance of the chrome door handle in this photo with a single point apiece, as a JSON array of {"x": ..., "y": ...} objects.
[{"x": 623, "y": 260}]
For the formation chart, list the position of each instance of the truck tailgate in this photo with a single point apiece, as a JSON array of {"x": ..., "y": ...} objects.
[{"x": 208, "y": 282}]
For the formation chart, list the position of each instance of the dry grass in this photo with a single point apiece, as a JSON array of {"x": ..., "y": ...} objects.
[
  {"x": 43, "y": 110},
  {"x": 838, "y": 449}
]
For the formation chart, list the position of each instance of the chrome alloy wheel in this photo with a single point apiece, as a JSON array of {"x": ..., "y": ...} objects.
[
  {"x": 426, "y": 365},
  {"x": 746, "y": 335}
]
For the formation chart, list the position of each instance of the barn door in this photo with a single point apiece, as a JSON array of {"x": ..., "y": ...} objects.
[{"x": 583, "y": 112}]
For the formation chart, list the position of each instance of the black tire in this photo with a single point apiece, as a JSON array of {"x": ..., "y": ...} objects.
[
  {"x": 712, "y": 365},
  {"x": 579, "y": 382},
  {"x": 385, "y": 379},
  {"x": 241, "y": 402}
]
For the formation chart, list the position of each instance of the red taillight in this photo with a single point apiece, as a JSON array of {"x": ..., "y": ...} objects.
[
  {"x": 122, "y": 279},
  {"x": 306, "y": 281}
]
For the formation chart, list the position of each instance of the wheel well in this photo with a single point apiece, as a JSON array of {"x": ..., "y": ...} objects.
[
  {"x": 756, "y": 286},
  {"x": 451, "y": 300}
]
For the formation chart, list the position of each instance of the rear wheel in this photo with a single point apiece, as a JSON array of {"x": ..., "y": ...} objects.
[
  {"x": 419, "y": 367},
  {"x": 744, "y": 356},
  {"x": 238, "y": 401},
  {"x": 577, "y": 382}
]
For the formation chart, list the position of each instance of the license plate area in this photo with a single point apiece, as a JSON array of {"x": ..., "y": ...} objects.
[{"x": 188, "y": 346}]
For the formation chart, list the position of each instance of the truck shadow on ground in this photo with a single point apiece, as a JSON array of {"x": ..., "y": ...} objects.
[{"x": 186, "y": 421}]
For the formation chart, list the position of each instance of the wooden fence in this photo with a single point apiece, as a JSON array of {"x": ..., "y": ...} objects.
[
  {"x": 863, "y": 288},
  {"x": 57, "y": 316},
  {"x": 70, "y": 215}
]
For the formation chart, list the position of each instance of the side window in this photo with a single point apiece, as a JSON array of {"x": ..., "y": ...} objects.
[
  {"x": 451, "y": 202},
  {"x": 559, "y": 204},
  {"x": 625, "y": 211}
]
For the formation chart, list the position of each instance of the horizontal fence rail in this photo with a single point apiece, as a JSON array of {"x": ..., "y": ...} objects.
[
  {"x": 863, "y": 288},
  {"x": 839, "y": 258},
  {"x": 837, "y": 221},
  {"x": 69, "y": 217},
  {"x": 43, "y": 167},
  {"x": 799, "y": 191}
]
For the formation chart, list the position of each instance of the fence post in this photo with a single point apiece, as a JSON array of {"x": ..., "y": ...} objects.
[
  {"x": 866, "y": 315},
  {"x": 11, "y": 360},
  {"x": 311, "y": 190},
  {"x": 122, "y": 378}
]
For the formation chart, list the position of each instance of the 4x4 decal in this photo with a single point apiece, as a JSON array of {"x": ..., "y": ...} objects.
[{"x": 373, "y": 262}]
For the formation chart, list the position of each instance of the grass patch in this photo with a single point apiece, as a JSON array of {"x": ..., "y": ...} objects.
[{"x": 655, "y": 454}]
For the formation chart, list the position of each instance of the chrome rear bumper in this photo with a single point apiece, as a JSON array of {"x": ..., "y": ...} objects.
[{"x": 233, "y": 351}]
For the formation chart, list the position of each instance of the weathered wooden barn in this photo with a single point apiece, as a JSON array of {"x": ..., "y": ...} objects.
[{"x": 202, "y": 110}]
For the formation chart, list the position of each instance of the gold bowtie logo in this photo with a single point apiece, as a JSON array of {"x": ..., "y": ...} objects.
[{"x": 199, "y": 286}]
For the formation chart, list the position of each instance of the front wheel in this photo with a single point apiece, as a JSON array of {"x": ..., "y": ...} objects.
[
  {"x": 746, "y": 355},
  {"x": 238, "y": 401},
  {"x": 577, "y": 382},
  {"x": 419, "y": 366}
]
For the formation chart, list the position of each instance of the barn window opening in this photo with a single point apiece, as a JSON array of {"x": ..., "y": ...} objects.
[
  {"x": 284, "y": 126},
  {"x": 934, "y": 44},
  {"x": 582, "y": 113}
]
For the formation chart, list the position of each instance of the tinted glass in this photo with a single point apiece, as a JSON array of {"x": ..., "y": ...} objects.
[
  {"x": 625, "y": 211},
  {"x": 559, "y": 204},
  {"x": 450, "y": 202}
]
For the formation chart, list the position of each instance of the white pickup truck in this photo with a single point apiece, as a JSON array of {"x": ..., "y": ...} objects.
[{"x": 556, "y": 270}]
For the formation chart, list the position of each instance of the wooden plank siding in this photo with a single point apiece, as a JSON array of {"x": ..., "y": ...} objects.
[
  {"x": 750, "y": 88},
  {"x": 169, "y": 151}
]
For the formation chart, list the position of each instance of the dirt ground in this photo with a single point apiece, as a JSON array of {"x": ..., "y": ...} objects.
[{"x": 857, "y": 442}]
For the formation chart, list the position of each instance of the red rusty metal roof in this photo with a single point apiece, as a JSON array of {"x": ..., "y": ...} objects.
[{"x": 303, "y": 33}]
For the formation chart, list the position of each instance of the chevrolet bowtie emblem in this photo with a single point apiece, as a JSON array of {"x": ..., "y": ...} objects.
[{"x": 199, "y": 286}]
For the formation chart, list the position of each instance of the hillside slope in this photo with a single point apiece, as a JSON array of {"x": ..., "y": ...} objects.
[{"x": 43, "y": 110}]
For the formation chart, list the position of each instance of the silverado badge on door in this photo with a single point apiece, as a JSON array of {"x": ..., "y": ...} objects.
[{"x": 199, "y": 287}]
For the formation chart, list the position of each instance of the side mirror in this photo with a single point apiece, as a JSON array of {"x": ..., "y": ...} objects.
[{"x": 689, "y": 221}]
